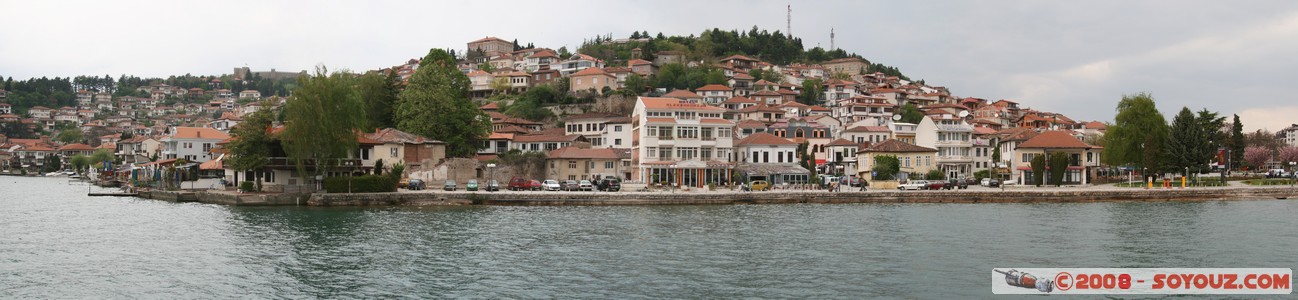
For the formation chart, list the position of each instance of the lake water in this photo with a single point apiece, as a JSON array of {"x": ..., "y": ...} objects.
[{"x": 57, "y": 243}]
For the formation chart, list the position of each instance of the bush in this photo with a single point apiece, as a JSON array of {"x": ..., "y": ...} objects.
[
  {"x": 886, "y": 166},
  {"x": 982, "y": 174},
  {"x": 1038, "y": 170},
  {"x": 247, "y": 187},
  {"x": 935, "y": 175},
  {"x": 360, "y": 184}
]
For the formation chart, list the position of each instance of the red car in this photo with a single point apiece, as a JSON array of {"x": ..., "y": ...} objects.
[
  {"x": 519, "y": 184},
  {"x": 936, "y": 185},
  {"x": 536, "y": 185}
]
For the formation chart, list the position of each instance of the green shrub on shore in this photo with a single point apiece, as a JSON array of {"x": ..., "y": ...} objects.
[
  {"x": 360, "y": 184},
  {"x": 247, "y": 187}
]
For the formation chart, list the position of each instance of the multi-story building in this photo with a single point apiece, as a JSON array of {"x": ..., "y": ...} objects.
[
  {"x": 1289, "y": 135},
  {"x": 592, "y": 80},
  {"x": 681, "y": 143},
  {"x": 952, "y": 138},
  {"x": 912, "y": 160},
  {"x": 1083, "y": 159},
  {"x": 191, "y": 143},
  {"x": 714, "y": 94},
  {"x": 491, "y": 46},
  {"x": 577, "y": 163},
  {"x": 764, "y": 156},
  {"x": 847, "y": 65}
]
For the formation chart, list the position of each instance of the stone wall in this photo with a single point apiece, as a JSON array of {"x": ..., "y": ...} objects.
[{"x": 693, "y": 198}]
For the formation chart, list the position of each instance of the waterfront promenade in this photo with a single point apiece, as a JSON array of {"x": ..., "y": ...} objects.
[{"x": 975, "y": 194}]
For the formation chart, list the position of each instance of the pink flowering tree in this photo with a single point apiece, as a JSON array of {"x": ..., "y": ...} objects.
[
  {"x": 1287, "y": 155},
  {"x": 1256, "y": 156}
]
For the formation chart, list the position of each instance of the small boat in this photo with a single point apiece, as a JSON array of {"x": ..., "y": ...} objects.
[{"x": 74, "y": 176}]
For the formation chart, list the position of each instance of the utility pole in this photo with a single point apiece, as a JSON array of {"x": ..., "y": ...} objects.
[{"x": 788, "y": 21}]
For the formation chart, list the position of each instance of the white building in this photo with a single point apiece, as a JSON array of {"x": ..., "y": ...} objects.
[
  {"x": 191, "y": 143},
  {"x": 953, "y": 139},
  {"x": 681, "y": 143}
]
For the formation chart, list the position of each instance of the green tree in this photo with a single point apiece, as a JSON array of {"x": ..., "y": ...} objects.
[
  {"x": 1185, "y": 147},
  {"x": 1038, "y": 169},
  {"x": 379, "y": 93},
  {"x": 635, "y": 85},
  {"x": 811, "y": 90},
  {"x": 911, "y": 114},
  {"x": 436, "y": 105},
  {"x": 321, "y": 120},
  {"x": 79, "y": 163},
  {"x": 70, "y": 136},
  {"x": 250, "y": 148},
  {"x": 1058, "y": 167},
  {"x": 886, "y": 167},
  {"x": 378, "y": 167},
  {"x": 1236, "y": 142},
  {"x": 1137, "y": 135},
  {"x": 100, "y": 156},
  {"x": 52, "y": 163},
  {"x": 996, "y": 155}
]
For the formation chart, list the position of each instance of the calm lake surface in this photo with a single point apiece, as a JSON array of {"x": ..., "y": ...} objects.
[{"x": 57, "y": 243}]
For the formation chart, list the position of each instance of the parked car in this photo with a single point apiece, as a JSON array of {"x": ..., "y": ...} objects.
[
  {"x": 551, "y": 185},
  {"x": 760, "y": 185},
  {"x": 535, "y": 185},
  {"x": 608, "y": 183},
  {"x": 471, "y": 186},
  {"x": 936, "y": 185},
  {"x": 493, "y": 185},
  {"x": 449, "y": 185},
  {"x": 955, "y": 184},
  {"x": 989, "y": 182},
  {"x": 415, "y": 185},
  {"x": 585, "y": 185},
  {"x": 1277, "y": 173},
  {"x": 854, "y": 181},
  {"x": 403, "y": 183},
  {"x": 569, "y": 185},
  {"x": 519, "y": 184},
  {"x": 913, "y": 185}
]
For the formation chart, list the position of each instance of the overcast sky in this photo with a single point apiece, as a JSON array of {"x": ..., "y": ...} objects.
[{"x": 1073, "y": 57}]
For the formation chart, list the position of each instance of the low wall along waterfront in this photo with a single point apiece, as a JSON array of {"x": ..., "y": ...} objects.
[{"x": 687, "y": 198}]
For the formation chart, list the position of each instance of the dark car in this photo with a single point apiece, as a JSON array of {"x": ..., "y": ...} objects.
[
  {"x": 493, "y": 185},
  {"x": 416, "y": 184},
  {"x": 608, "y": 184},
  {"x": 449, "y": 185},
  {"x": 570, "y": 185},
  {"x": 954, "y": 184},
  {"x": 519, "y": 184}
]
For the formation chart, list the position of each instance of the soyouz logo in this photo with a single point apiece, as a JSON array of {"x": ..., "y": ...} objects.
[{"x": 1142, "y": 281}]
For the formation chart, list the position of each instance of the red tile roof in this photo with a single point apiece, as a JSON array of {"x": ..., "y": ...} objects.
[
  {"x": 199, "y": 133},
  {"x": 673, "y": 103},
  {"x": 1054, "y": 140},
  {"x": 762, "y": 138},
  {"x": 591, "y": 71},
  {"x": 682, "y": 94},
  {"x": 76, "y": 147},
  {"x": 714, "y": 87}
]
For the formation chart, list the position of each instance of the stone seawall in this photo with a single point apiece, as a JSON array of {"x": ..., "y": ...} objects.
[
  {"x": 659, "y": 198},
  {"x": 227, "y": 198}
]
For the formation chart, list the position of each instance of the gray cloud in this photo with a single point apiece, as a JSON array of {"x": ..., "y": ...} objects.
[{"x": 1075, "y": 57}]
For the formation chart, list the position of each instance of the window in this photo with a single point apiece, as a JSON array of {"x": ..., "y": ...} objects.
[
  {"x": 608, "y": 165},
  {"x": 766, "y": 157},
  {"x": 653, "y": 131},
  {"x": 706, "y": 154},
  {"x": 392, "y": 152},
  {"x": 578, "y": 80},
  {"x": 779, "y": 157},
  {"x": 572, "y": 164},
  {"x": 652, "y": 152},
  {"x": 617, "y": 128},
  {"x": 906, "y": 163},
  {"x": 617, "y": 142},
  {"x": 723, "y": 132}
]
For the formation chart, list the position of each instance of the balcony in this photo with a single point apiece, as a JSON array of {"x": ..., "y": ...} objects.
[{"x": 664, "y": 137}]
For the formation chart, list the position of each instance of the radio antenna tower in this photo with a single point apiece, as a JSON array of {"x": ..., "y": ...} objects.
[
  {"x": 788, "y": 21},
  {"x": 831, "y": 39}
]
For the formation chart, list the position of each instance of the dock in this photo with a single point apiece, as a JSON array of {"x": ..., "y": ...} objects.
[{"x": 113, "y": 194}]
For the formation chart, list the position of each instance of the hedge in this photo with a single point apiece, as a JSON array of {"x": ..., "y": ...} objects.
[{"x": 360, "y": 184}]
